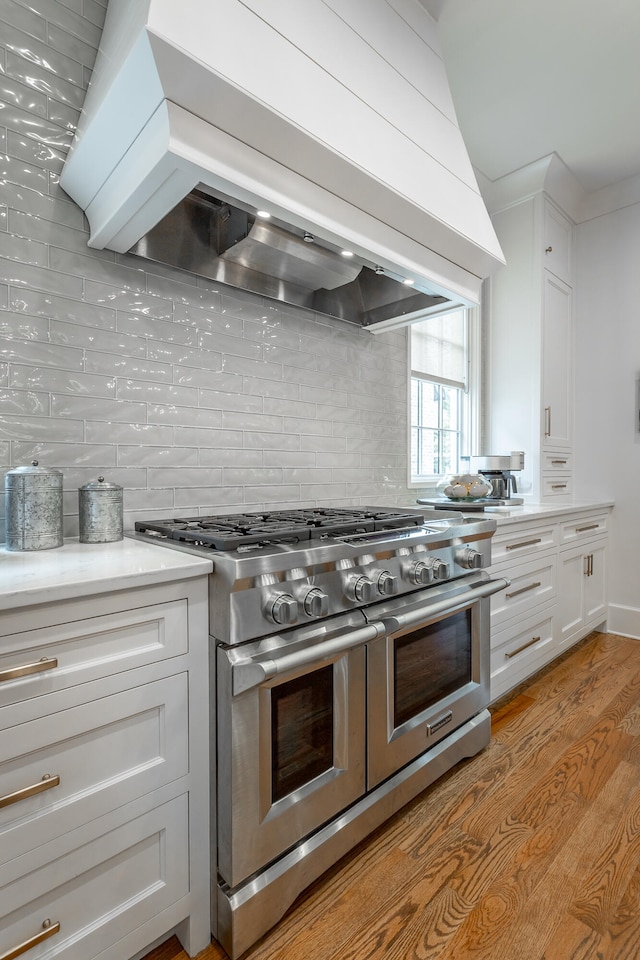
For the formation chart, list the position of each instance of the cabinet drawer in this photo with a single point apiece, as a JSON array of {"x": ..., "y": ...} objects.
[
  {"x": 521, "y": 543},
  {"x": 560, "y": 485},
  {"x": 584, "y": 528},
  {"x": 103, "y": 890},
  {"x": 78, "y": 764},
  {"x": 553, "y": 463},
  {"x": 516, "y": 655},
  {"x": 532, "y": 583},
  {"x": 73, "y": 653}
]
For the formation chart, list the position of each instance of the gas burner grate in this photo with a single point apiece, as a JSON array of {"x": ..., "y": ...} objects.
[{"x": 234, "y": 531}]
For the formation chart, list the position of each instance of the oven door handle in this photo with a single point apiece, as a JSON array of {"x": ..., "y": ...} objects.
[
  {"x": 251, "y": 673},
  {"x": 430, "y": 611}
]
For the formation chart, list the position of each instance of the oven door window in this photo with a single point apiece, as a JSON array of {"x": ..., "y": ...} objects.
[
  {"x": 302, "y": 722},
  {"x": 424, "y": 682},
  {"x": 429, "y": 664},
  {"x": 291, "y": 755}
]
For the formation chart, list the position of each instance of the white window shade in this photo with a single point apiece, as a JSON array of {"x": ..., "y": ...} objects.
[{"x": 439, "y": 349}]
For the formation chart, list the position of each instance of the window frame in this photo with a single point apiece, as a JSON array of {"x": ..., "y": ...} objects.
[{"x": 471, "y": 398}]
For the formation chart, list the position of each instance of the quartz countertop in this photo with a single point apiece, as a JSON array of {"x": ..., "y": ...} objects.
[
  {"x": 82, "y": 569},
  {"x": 527, "y": 512}
]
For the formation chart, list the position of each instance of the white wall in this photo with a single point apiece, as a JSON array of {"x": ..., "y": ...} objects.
[
  {"x": 193, "y": 397},
  {"x": 607, "y": 417}
]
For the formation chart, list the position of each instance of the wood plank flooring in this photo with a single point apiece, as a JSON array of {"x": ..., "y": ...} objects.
[{"x": 528, "y": 851}]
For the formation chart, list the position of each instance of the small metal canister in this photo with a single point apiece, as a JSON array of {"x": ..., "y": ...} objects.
[
  {"x": 33, "y": 508},
  {"x": 100, "y": 508}
]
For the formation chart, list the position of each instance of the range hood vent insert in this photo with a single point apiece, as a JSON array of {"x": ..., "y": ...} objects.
[{"x": 215, "y": 238}]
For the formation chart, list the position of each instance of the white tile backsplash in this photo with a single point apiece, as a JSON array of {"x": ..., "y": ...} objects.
[{"x": 194, "y": 396}]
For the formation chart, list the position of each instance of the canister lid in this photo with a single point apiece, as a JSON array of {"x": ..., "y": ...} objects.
[
  {"x": 101, "y": 484},
  {"x": 33, "y": 470}
]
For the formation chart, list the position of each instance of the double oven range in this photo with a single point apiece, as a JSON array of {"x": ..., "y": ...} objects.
[{"x": 349, "y": 670}]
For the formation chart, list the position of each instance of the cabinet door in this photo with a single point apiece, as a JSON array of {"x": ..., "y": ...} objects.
[
  {"x": 572, "y": 571},
  {"x": 581, "y": 590},
  {"x": 558, "y": 236},
  {"x": 557, "y": 366},
  {"x": 595, "y": 594}
]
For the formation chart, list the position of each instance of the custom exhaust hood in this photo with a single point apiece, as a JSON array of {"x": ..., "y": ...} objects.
[{"x": 308, "y": 155}]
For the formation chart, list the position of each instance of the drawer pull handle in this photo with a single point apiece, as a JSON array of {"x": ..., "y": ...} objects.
[
  {"x": 592, "y": 526},
  {"x": 559, "y": 463},
  {"x": 24, "y": 670},
  {"x": 523, "y": 543},
  {"x": 49, "y": 928},
  {"x": 558, "y": 486},
  {"x": 547, "y": 421},
  {"x": 513, "y": 653},
  {"x": 48, "y": 781},
  {"x": 514, "y": 593}
]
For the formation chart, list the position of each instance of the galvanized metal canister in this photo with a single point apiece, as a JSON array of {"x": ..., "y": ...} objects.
[
  {"x": 100, "y": 509},
  {"x": 33, "y": 508}
]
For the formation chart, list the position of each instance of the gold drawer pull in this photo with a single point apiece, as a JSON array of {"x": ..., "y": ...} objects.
[
  {"x": 592, "y": 526},
  {"x": 514, "y": 593},
  {"x": 49, "y": 928},
  {"x": 558, "y": 486},
  {"x": 523, "y": 543},
  {"x": 46, "y": 783},
  {"x": 559, "y": 462},
  {"x": 12, "y": 673},
  {"x": 514, "y": 653}
]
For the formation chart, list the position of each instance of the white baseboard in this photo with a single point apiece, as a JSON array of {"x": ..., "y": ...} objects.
[{"x": 624, "y": 621}]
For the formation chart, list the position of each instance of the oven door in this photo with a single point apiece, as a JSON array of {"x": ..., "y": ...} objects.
[
  {"x": 291, "y": 738},
  {"x": 430, "y": 672}
]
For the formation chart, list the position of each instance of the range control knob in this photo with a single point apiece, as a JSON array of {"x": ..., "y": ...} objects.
[
  {"x": 420, "y": 572},
  {"x": 469, "y": 558},
  {"x": 440, "y": 569},
  {"x": 387, "y": 584},
  {"x": 315, "y": 603},
  {"x": 362, "y": 589},
  {"x": 283, "y": 609}
]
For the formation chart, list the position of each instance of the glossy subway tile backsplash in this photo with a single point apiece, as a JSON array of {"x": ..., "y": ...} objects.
[{"x": 191, "y": 395}]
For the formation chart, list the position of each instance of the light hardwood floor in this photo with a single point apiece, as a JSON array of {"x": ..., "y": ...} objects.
[{"x": 528, "y": 851}]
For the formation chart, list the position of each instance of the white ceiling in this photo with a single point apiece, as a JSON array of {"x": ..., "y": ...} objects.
[{"x": 535, "y": 77}]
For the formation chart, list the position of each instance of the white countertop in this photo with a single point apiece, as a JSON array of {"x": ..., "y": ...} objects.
[
  {"x": 81, "y": 569},
  {"x": 542, "y": 511},
  {"x": 527, "y": 512}
]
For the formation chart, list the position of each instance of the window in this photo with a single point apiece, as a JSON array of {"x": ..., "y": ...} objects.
[{"x": 441, "y": 408}]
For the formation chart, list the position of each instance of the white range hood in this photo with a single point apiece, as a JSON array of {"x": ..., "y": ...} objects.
[{"x": 333, "y": 115}]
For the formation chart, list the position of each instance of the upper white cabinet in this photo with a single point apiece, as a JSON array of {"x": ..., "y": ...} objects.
[
  {"x": 557, "y": 379},
  {"x": 531, "y": 345},
  {"x": 557, "y": 243}
]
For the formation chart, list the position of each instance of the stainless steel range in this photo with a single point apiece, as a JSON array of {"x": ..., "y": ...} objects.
[{"x": 350, "y": 671}]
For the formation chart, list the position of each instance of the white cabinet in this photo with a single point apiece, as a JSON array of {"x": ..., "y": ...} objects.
[
  {"x": 557, "y": 380},
  {"x": 557, "y": 594},
  {"x": 531, "y": 346},
  {"x": 557, "y": 243},
  {"x": 104, "y": 773},
  {"x": 582, "y": 573}
]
